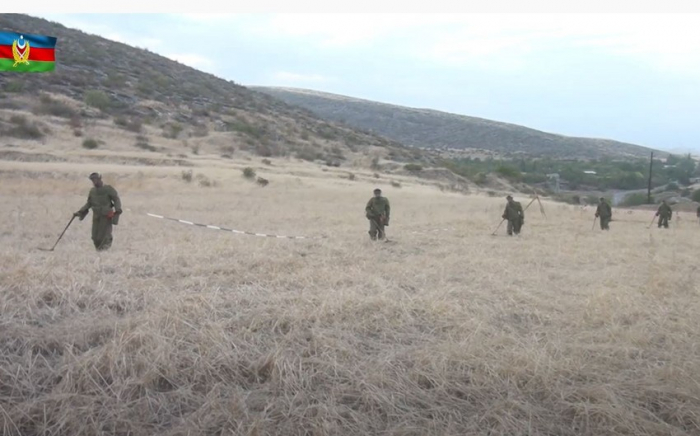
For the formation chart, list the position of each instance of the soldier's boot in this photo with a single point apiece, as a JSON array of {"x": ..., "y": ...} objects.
[{"x": 372, "y": 235}]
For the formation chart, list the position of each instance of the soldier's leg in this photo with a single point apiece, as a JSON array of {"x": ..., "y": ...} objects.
[
  {"x": 602, "y": 223},
  {"x": 372, "y": 230},
  {"x": 96, "y": 231},
  {"x": 665, "y": 222},
  {"x": 380, "y": 229},
  {"x": 103, "y": 234},
  {"x": 510, "y": 228},
  {"x": 517, "y": 225}
]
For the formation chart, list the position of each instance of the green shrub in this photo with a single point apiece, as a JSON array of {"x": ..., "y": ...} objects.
[
  {"x": 635, "y": 199},
  {"x": 97, "y": 99},
  {"x": 248, "y": 173},
  {"x": 395, "y": 184},
  {"x": 509, "y": 172},
  {"x": 696, "y": 195},
  {"x": 187, "y": 175},
  {"x": 90, "y": 144}
]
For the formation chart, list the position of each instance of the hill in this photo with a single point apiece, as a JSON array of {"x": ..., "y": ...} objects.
[
  {"x": 112, "y": 98},
  {"x": 433, "y": 129}
]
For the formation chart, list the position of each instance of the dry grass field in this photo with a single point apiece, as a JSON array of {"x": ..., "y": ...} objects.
[{"x": 182, "y": 330}]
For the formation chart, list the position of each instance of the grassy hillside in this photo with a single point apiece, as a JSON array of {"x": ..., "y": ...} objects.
[
  {"x": 181, "y": 330},
  {"x": 433, "y": 129},
  {"x": 128, "y": 99}
]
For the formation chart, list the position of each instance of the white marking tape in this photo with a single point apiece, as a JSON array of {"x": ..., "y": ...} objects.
[{"x": 239, "y": 232}]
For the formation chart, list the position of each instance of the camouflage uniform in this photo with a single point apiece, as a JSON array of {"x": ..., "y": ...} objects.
[
  {"x": 664, "y": 213},
  {"x": 515, "y": 215},
  {"x": 377, "y": 212},
  {"x": 604, "y": 212},
  {"x": 101, "y": 200},
  {"x": 698, "y": 213}
]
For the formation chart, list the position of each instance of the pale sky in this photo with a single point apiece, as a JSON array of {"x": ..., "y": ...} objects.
[{"x": 628, "y": 77}]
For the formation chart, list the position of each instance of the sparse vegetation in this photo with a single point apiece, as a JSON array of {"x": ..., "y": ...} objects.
[
  {"x": 181, "y": 329},
  {"x": 636, "y": 199},
  {"x": 696, "y": 195},
  {"x": 438, "y": 129},
  {"x": 98, "y": 99},
  {"x": 248, "y": 173},
  {"x": 205, "y": 181},
  {"x": 90, "y": 144},
  {"x": 50, "y": 106},
  {"x": 14, "y": 86},
  {"x": 21, "y": 127},
  {"x": 267, "y": 161},
  {"x": 172, "y": 130},
  {"x": 414, "y": 168},
  {"x": 142, "y": 143},
  {"x": 187, "y": 175},
  {"x": 132, "y": 124},
  {"x": 395, "y": 184},
  {"x": 262, "y": 182}
]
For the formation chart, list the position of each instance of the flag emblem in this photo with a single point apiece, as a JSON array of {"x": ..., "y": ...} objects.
[
  {"x": 26, "y": 53},
  {"x": 20, "y": 51}
]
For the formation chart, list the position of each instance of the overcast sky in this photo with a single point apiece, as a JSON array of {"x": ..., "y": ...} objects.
[{"x": 629, "y": 77}]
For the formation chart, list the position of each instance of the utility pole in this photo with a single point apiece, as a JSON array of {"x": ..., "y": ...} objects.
[{"x": 651, "y": 163}]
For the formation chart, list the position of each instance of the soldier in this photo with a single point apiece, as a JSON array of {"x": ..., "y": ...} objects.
[
  {"x": 515, "y": 215},
  {"x": 664, "y": 213},
  {"x": 377, "y": 212},
  {"x": 698, "y": 214},
  {"x": 101, "y": 199},
  {"x": 604, "y": 212}
]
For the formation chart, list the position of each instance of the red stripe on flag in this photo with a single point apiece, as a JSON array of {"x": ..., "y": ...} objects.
[{"x": 35, "y": 54}]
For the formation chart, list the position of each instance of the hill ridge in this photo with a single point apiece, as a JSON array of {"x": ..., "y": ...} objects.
[{"x": 499, "y": 136}]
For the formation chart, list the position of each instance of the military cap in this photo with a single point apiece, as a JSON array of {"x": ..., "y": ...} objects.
[
  {"x": 95, "y": 176},
  {"x": 510, "y": 197},
  {"x": 377, "y": 190}
]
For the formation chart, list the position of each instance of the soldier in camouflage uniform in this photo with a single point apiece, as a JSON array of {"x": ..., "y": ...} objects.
[
  {"x": 698, "y": 213},
  {"x": 515, "y": 215},
  {"x": 377, "y": 212},
  {"x": 604, "y": 212},
  {"x": 101, "y": 199},
  {"x": 664, "y": 213}
]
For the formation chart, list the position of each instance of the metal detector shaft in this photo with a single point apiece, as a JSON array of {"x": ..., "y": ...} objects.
[
  {"x": 499, "y": 226},
  {"x": 594, "y": 220},
  {"x": 378, "y": 227},
  {"x": 652, "y": 222},
  {"x": 62, "y": 233}
]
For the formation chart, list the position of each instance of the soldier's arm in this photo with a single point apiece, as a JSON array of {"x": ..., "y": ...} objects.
[
  {"x": 114, "y": 195},
  {"x": 388, "y": 209},
  {"x": 83, "y": 211}
]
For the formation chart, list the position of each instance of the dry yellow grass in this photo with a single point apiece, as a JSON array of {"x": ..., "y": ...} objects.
[{"x": 180, "y": 330}]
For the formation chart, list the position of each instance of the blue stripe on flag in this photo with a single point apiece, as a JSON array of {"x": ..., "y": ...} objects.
[{"x": 38, "y": 41}]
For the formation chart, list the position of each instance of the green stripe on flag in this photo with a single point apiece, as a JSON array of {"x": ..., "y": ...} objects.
[{"x": 31, "y": 67}]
